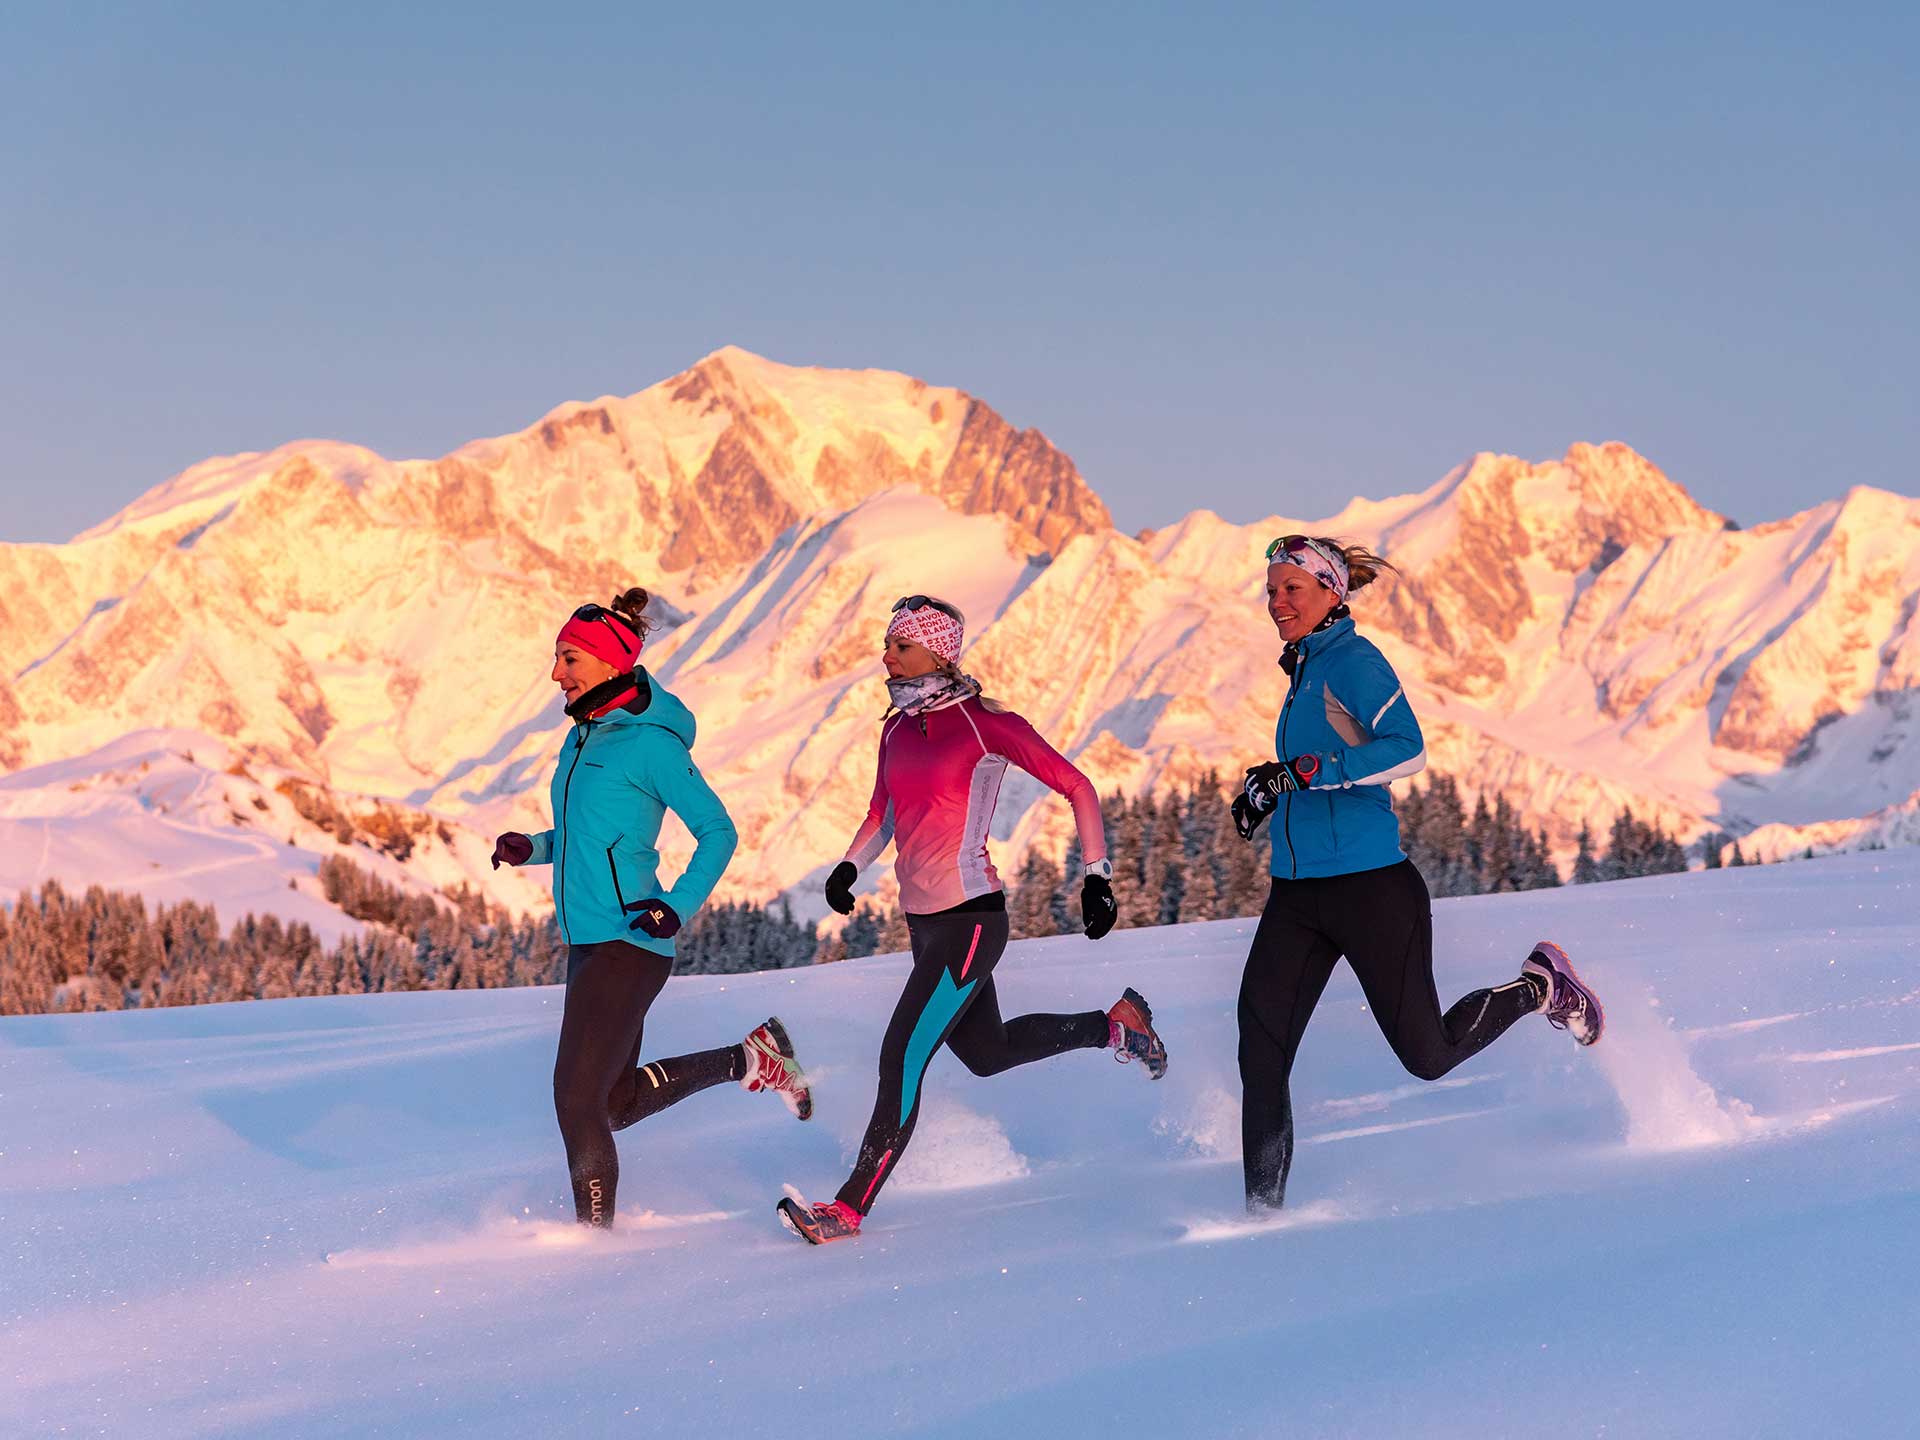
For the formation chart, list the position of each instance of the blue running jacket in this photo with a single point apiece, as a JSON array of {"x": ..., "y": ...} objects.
[{"x": 1346, "y": 706}]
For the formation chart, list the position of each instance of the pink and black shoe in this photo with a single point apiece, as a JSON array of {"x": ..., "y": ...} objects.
[
  {"x": 820, "y": 1223},
  {"x": 1569, "y": 1004}
]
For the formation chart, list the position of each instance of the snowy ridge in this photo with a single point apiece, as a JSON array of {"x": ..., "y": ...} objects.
[
  {"x": 174, "y": 815},
  {"x": 1576, "y": 634},
  {"x": 348, "y": 1216}
]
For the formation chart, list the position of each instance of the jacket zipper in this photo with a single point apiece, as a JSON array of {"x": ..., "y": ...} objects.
[
  {"x": 1286, "y": 820},
  {"x": 566, "y": 829}
]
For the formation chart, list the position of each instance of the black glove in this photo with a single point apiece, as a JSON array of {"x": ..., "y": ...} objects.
[
  {"x": 1098, "y": 909},
  {"x": 840, "y": 886},
  {"x": 656, "y": 918},
  {"x": 512, "y": 848},
  {"x": 1260, "y": 791}
]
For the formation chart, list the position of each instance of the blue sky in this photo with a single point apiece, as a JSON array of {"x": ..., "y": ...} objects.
[{"x": 1257, "y": 259}]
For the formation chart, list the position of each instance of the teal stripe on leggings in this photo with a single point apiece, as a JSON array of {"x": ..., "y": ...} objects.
[{"x": 947, "y": 1001}]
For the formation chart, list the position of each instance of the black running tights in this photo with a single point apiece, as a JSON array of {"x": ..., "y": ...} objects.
[
  {"x": 599, "y": 1085},
  {"x": 1382, "y": 922}
]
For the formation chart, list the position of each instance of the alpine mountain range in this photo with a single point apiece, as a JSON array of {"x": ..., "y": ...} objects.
[{"x": 272, "y": 658}]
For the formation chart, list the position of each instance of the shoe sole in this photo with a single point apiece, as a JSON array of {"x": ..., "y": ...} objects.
[
  {"x": 1557, "y": 959},
  {"x": 786, "y": 1210},
  {"x": 790, "y": 1213},
  {"x": 803, "y": 1104}
]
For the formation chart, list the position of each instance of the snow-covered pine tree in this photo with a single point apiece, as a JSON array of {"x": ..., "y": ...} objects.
[{"x": 1030, "y": 906}]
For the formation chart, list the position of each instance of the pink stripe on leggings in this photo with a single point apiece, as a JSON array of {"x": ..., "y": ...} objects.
[
  {"x": 876, "y": 1179},
  {"x": 967, "y": 964}
]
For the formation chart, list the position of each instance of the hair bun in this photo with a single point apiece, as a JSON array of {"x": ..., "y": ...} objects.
[{"x": 631, "y": 606}]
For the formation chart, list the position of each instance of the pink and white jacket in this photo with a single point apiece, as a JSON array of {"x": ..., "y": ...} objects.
[{"x": 938, "y": 778}]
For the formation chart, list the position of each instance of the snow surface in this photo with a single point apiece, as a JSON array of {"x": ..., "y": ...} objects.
[{"x": 1707, "y": 1226}]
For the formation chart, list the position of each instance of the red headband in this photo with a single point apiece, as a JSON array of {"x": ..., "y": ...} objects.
[{"x": 605, "y": 637}]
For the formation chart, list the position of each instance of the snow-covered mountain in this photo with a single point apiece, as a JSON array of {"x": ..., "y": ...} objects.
[{"x": 1577, "y": 634}]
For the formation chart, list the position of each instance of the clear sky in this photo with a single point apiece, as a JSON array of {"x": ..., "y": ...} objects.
[{"x": 1256, "y": 259}]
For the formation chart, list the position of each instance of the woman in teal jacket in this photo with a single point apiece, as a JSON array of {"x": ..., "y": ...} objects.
[
  {"x": 1342, "y": 885},
  {"x": 625, "y": 764}
]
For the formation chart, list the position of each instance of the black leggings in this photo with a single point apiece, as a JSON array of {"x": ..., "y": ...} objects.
[
  {"x": 1382, "y": 921},
  {"x": 950, "y": 999},
  {"x": 599, "y": 1085}
]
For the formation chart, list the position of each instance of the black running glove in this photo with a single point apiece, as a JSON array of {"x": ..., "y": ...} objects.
[
  {"x": 656, "y": 918},
  {"x": 1260, "y": 791},
  {"x": 512, "y": 848},
  {"x": 1098, "y": 908},
  {"x": 840, "y": 886}
]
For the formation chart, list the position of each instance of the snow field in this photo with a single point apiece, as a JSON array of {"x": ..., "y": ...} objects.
[{"x": 349, "y": 1216}]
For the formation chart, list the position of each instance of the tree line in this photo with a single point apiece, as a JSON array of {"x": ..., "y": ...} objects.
[{"x": 1180, "y": 861}]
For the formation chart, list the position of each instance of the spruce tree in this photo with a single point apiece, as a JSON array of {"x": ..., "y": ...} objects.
[
  {"x": 894, "y": 936},
  {"x": 1073, "y": 875},
  {"x": 1030, "y": 907},
  {"x": 1586, "y": 869},
  {"x": 861, "y": 934},
  {"x": 1170, "y": 857},
  {"x": 1200, "y": 844},
  {"x": 1147, "y": 872}
]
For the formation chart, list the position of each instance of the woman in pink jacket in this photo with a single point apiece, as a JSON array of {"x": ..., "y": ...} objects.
[{"x": 943, "y": 752}]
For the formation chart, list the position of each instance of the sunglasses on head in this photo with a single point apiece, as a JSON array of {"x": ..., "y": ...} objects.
[
  {"x": 611, "y": 619},
  {"x": 1291, "y": 545},
  {"x": 922, "y": 602}
]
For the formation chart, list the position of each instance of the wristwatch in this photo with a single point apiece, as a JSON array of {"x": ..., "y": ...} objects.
[{"x": 1102, "y": 868}]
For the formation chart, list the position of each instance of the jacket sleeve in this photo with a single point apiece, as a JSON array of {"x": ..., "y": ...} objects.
[
  {"x": 1394, "y": 748},
  {"x": 542, "y": 847},
  {"x": 1010, "y": 735},
  {"x": 672, "y": 775},
  {"x": 877, "y": 829}
]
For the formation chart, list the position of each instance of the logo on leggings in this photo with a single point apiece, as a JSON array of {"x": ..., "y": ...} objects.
[{"x": 598, "y": 1212}]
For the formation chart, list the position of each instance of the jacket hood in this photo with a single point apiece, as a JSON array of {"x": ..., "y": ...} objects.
[{"x": 662, "y": 708}]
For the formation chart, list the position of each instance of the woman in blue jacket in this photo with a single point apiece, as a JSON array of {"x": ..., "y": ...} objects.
[
  {"x": 1341, "y": 883},
  {"x": 624, "y": 766}
]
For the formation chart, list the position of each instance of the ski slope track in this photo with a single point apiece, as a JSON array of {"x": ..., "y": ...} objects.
[{"x": 350, "y": 1216}]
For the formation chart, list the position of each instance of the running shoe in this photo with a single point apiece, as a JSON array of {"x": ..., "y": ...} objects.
[
  {"x": 1569, "y": 1005},
  {"x": 820, "y": 1223},
  {"x": 771, "y": 1066},
  {"x": 1132, "y": 1035}
]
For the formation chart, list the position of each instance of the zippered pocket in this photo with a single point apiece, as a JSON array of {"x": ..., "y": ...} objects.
[{"x": 619, "y": 895}]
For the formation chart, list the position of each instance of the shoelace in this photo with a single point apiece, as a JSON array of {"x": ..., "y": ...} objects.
[
  {"x": 832, "y": 1219},
  {"x": 772, "y": 1070},
  {"x": 1127, "y": 1053},
  {"x": 1563, "y": 1003}
]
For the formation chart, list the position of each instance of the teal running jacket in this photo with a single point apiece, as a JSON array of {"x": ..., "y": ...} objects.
[{"x": 617, "y": 778}]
